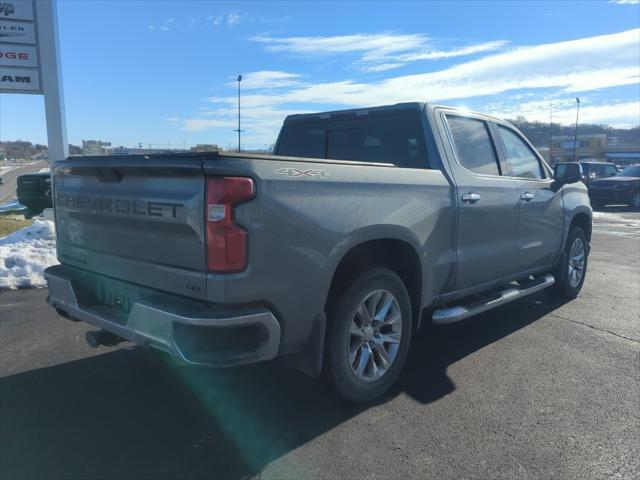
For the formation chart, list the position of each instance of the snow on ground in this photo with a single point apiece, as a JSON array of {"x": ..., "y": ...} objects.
[
  {"x": 8, "y": 167},
  {"x": 618, "y": 223},
  {"x": 10, "y": 206},
  {"x": 25, "y": 254}
]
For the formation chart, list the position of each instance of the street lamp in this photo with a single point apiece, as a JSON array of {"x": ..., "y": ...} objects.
[
  {"x": 239, "y": 130},
  {"x": 575, "y": 135}
]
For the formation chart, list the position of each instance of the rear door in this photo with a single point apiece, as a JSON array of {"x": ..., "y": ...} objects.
[
  {"x": 137, "y": 219},
  {"x": 487, "y": 203},
  {"x": 541, "y": 220}
]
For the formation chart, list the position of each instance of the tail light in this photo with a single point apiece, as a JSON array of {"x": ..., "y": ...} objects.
[{"x": 226, "y": 240}]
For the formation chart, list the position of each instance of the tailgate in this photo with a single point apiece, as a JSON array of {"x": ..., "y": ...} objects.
[{"x": 138, "y": 219}]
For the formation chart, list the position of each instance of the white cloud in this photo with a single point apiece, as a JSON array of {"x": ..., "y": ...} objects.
[
  {"x": 625, "y": 2},
  {"x": 616, "y": 114},
  {"x": 378, "y": 52},
  {"x": 199, "y": 124},
  {"x": 260, "y": 123},
  {"x": 269, "y": 79},
  {"x": 456, "y": 52},
  {"x": 233, "y": 19},
  {"x": 577, "y": 65},
  {"x": 568, "y": 68}
]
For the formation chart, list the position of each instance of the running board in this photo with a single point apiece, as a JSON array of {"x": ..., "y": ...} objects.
[{"x": 460, "y": 312}]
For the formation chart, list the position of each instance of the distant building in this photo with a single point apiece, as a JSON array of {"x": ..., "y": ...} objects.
[
  {"x": 94, "y": 147},
  {"x": 40, "y": 157},
  {"x": 595, "y": 146},
  {"x": 589, "y": 146},
  {"x": 123, "y": 151},
  {"x": 3, "y": 154},
  {"x": 205, "y": 147},
  {"x": 623, "y": 155}
]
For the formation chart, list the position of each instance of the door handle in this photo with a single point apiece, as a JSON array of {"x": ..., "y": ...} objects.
[
  {"x": 526, "y": 196},
  {"x": 470, "y": 197}
]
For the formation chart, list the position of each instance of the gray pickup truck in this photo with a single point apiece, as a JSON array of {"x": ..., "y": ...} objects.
[{"x": 329, "y": 253}]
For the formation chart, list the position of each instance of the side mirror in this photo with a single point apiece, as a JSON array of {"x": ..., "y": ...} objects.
[{"x": 567, "y": 172}]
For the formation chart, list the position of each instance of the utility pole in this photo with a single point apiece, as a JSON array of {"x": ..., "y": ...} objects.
[
  {"x": 239, "y": 130},
  {"x": 550, "y": 130},
  {"x": 575, "y": 135}
]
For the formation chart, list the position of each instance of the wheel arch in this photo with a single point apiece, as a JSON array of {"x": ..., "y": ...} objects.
[
  {"x": 584, "y": 220},
  {"x": 396, "y": 254}
]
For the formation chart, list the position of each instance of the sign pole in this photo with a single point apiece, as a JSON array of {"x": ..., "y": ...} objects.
[{"x": 47, "y": 20}]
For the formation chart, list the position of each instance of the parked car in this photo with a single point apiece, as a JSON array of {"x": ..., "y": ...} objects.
[
  {"x": 326, "y": 254},
  {"x": 624, "y": 188},
  {"x": 594, "y": 169},
  {"x": 34, "y": 192}
]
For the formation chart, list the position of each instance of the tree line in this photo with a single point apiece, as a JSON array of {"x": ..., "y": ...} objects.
[{"x": 23, "y": 149}]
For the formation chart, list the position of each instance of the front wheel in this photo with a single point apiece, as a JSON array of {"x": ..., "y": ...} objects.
[
  {"x": 572, "y": 270},
  {"x": 369, "y": 335}
]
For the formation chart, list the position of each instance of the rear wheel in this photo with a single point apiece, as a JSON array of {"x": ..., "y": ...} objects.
[
  {"x": 369, "y": 335},
  {"x": 571, "y": 272}
]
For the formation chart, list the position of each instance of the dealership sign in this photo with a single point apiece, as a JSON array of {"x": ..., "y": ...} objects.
[{"x": 19, "y": 49}]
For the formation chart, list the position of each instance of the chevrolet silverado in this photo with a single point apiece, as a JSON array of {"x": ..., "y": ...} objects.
[{"x": 329, "y": 253}]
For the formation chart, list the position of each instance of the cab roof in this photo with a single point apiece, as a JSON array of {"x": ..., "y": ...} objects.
[{"x": 398, "y": 107}]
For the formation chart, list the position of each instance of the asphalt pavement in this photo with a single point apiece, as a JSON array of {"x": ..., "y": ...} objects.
[
  {"x": 8, "y": 186},
  {"x": 535, "y": 389}
]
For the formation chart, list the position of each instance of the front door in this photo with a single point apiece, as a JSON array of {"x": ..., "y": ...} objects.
[
  {"x": 487, "y": 204},
  {"x": 541, "y": 220}
]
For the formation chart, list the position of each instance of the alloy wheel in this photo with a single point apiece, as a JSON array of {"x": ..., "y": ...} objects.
[
  {"x": 576, "y": 262},
  {"x": 374, "y": 336}
]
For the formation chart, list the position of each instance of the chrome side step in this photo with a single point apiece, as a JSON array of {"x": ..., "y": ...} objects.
[{"x": 460, "y": 312}]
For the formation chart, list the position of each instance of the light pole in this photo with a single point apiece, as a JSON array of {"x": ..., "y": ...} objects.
[
  {"x": 575, "y": 135},
  {"x": 239, "y": 130}
]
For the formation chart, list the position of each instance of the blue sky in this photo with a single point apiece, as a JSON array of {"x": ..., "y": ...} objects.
[{"x": 164, "y": 72}]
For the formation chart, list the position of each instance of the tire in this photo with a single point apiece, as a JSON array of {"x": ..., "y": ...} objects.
[
  {"x": 635, "y": 200},
  {"x": 569, "y": 274},
  {"x": 369, "y": 292},
  {"x": 597, "y": 205}
]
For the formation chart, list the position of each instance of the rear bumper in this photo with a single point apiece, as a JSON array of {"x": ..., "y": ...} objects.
[{"x": 192, "y": 332}]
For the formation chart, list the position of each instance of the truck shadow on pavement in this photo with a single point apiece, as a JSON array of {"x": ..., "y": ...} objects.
[{"x": 130, "y": 414}]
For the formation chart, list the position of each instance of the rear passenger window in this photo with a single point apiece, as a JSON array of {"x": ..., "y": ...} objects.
[
  {"x": 302, "y": 140},
  {"x": 392, "y": 138},
  {"x": 472, "y": 145},
  {"x": 344, "y": 144},
  {"x": 387, "y": 137},
  {"x": 523, "y": 161}
]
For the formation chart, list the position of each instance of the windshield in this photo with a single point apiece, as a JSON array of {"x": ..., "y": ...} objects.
[{"x": 632, "y": 171}]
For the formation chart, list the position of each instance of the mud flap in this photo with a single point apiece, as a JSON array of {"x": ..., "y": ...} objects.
[{"x": 309, "y": 361}]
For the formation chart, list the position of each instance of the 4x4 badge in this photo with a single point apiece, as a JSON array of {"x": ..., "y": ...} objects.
[{"x": 294, "y": 172}]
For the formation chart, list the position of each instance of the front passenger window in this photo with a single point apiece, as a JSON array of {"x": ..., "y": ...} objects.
[{"x": 523, "y": 161}]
